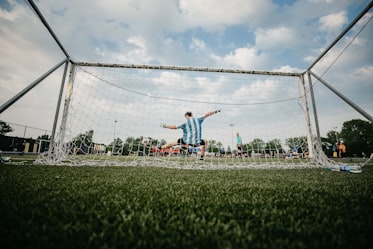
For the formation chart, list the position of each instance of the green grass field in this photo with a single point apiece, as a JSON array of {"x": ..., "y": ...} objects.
[{"x": 146, "y": 207}]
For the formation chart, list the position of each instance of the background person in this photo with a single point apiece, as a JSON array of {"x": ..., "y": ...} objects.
[
  {"x": 239, "y": 144},
  {"x": 222, "y": 152},
  {"x": 342, "y": 149},
  {"x": 335, "y": 150}
]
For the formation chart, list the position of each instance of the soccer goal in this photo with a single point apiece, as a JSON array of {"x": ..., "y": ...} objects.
[{"x": 112, "y": 116}]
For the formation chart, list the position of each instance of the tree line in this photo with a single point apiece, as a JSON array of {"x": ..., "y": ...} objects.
[{"x": 357, "y": 134}]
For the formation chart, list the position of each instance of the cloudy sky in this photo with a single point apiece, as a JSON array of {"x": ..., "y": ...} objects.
[{"x": 262, "y": 35}]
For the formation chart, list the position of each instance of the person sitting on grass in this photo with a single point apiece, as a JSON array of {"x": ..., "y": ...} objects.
[{"x": 192, "y": 132}]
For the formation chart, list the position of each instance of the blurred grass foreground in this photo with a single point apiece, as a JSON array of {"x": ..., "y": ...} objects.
[{"x": 152, "y": 207}]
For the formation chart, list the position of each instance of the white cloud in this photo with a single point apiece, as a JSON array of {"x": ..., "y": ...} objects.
[
  {"x": 13, "y": 15},
  {"x": 276, "y": 38},
  {"x": 366, "y": 72},
  {"x": 333, "y": 22},
  {"x": 197, "y": 45},
  {"x": 245, "y": 58},
  {"x": 288, "y": 69},
  {"x": 258, "y": 91},
  {"x": 215, "y": 15}
]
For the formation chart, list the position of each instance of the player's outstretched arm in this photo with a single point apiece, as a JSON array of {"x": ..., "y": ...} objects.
[
  {"x": 168, "y": 126},
  {"x": 211, "y": 113}
]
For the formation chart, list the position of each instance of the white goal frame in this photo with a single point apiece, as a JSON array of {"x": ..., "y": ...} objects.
[{"x": 59, "y": 150}]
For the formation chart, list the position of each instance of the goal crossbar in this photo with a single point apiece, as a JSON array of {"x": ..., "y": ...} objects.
[{"x": 185, "y": 68}]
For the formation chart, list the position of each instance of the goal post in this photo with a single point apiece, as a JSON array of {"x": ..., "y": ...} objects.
[{"x": 112, "y": 115}]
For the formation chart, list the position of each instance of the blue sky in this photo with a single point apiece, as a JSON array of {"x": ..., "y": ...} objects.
[{"x": 237, "y": 34}]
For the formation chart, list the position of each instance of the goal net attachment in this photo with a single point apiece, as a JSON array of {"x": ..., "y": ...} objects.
[{"x": 112, "y": 115}]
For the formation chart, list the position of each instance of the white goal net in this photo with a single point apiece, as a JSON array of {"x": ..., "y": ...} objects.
[{"x": 112, "y": 116}]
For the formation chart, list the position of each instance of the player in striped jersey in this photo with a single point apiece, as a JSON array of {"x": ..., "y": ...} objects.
[{"x": 192, "y": 132}]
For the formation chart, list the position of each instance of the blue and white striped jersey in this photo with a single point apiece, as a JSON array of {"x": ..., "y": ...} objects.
[{"x": 192, "y": 130}]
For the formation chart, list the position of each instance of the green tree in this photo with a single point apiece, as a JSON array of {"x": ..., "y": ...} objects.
[
  {"x": 132, "y": 145},
  {"x": 84, "y": 141},
  {"x": 274, "y": 147},
  {"x": 130, "y": 140},
  {"x": 44, "y": 137},
  {"x": 229, "y": 150},
  {"x": 117, "y": 144},
  {"x": 257, "y": 145},
  {"x": 5, "y": 128},
  {"x": 162, "y": 142},
  {"x": 357, "y": 134},
  {"x": 332, "y": 136},
  {"x": 84, "y": 138},
  {"x": 212, "y": 146},
  {"x": 300, "y": 143}
]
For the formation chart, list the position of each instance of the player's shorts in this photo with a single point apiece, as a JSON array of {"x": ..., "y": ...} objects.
[{"x": 181, "y": 142}]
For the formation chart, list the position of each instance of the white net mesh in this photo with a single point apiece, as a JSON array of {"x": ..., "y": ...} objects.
[{"x": 112, "y": 116}]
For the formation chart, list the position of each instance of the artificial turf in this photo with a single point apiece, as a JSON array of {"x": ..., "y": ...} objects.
[{"x": 152, "y": 207}]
